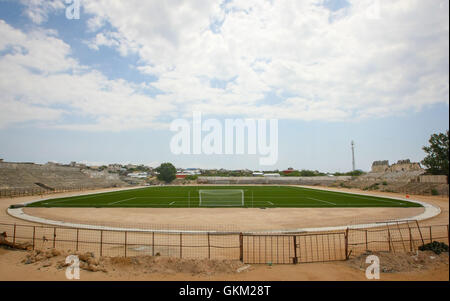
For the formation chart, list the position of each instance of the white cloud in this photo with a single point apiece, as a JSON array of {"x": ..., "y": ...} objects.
[
  {"x": 44, "y": 82},
  {"x": 395, "y": 55},
  {"x": 38, "y": 10},
  {"x": 225, "y": 57}
]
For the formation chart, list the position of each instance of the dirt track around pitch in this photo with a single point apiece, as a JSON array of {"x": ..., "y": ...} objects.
[{"x": 233, "y": 219}]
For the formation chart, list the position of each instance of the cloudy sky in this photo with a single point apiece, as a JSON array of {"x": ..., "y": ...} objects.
[{"x": 105, "y": 87}]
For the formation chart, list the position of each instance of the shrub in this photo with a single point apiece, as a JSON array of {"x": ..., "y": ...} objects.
[
  {"x": 435, "y": 246},
  {"x": 434, "y": 192}
]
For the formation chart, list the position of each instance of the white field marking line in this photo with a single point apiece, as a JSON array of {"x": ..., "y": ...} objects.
[
  {"x": 321, "y": 201},
  {"x": 270, "y": 203},
  {"x": 350, "y": 195},
  {"x": 88, "y": 196},
  {"x": 121, "y": 201},
  {"x": 150, "y": 205},
  {"x": 287, "y": 205},
  {"x": 72, "y": 199},
  {"x": 172, "y": 203}
]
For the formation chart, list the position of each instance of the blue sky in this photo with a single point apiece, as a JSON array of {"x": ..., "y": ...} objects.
[{"x": 105, "y": 88}]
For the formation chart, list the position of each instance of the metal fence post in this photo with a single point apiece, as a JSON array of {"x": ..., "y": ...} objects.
[
  {"x": 101, "y": 243},
  {"x": 410, "y": 240},
  {"x": 346, "y": 244},
  {"x": 367, "y": 243},
  {"x": 420, "y": 232},
  {"x": 54, "y": 237},
  {"x": 76, "y": 247},
  {"x": 295, "y": 259},
  {"x": 14, "y": 235},
  {"x": 209, "y": 248},
  {"x": 181, "y": 245},
  {"x": 125, "y": 243},
  {"x": 153, "y": 243},
  {"x": 241, "y": 247},
  {"x": 34, "y": 234},
  {"x": 448, "y": 236}
]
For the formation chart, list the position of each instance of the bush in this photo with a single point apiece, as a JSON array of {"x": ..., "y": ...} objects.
[
  {"x": 434, "y": 192},
  {"x": 435, "y": 246},
  {"x": 372, "y": 187},
  {"x": 167, "y": 172},
  {"x": 384, "y": 183}
]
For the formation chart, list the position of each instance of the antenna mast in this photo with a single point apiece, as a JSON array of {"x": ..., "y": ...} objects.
[{"x": 353, "y": 155}]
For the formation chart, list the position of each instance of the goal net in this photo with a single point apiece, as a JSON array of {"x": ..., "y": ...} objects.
[{"x": 221, "y": 197}]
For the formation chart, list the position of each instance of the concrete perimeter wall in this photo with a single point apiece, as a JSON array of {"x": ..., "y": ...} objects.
[
  {"x": 433, "y": 179},
  {"x": 272, "y": 180}
]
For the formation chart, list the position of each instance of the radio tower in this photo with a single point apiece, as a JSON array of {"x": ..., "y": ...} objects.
[{"x": 353, "y": 155}]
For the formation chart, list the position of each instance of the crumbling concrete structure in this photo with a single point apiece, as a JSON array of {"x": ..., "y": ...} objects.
[{"x": 401, "y": 165}]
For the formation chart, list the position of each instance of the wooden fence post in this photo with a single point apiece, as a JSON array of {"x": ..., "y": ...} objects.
[
  {"x": 241, "y": 247},
  {"x": 431, "y": 235}
]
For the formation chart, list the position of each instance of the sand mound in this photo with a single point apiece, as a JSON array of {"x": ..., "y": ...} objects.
[
  {"x": 401, "y": 262},
  {"x": 139, "y": 264}
]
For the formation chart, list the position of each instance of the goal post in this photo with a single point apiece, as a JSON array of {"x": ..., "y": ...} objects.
[{"x": 221, "y": 197}]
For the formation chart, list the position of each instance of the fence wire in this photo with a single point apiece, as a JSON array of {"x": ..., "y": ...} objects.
[{"x": 247, "y": 247}]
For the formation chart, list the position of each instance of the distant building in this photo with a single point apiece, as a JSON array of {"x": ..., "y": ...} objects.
[
  {"x": 288, "y": 171},
  {"x": 257, "y": 174},
  {"x": 115, "y": 167},
  {"x": 192, "y": 171},
  {"x": 139, "y": 175},
  {"x": 272, "y": 175}
]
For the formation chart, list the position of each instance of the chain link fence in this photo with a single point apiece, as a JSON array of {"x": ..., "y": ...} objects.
[{"x": 254, "y": 248}]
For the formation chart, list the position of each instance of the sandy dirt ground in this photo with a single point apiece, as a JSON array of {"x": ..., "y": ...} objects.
[
  {"x": 253, "y": 219},
  {"x": 48, "y": 270}
]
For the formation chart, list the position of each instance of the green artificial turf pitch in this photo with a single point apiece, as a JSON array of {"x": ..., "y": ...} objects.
[{"x": 254, "y": 196}]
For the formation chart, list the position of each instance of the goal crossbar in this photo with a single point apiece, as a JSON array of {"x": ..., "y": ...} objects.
[{"x": 221, "y": 197}]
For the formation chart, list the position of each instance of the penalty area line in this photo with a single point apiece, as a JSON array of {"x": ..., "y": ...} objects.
[
  {"x": 321, "y": 201},
  {"x": 121, "y": 201}
]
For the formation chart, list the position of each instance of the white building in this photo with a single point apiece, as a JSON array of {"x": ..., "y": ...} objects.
[
  {"x": 272, "y": 175},
  {"x": 140, "y": 175}
]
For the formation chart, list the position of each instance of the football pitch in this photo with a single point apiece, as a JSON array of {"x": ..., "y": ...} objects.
[{"x": 239, "y": 196}]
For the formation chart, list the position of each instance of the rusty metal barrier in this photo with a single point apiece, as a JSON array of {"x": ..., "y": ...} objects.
[{"x": 247, "y": 247}]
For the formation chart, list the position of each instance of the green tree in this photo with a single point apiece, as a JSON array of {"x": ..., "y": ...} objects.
[
  {"x": 436, "y": 161},
  {"x": 167, "y": 172}
]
